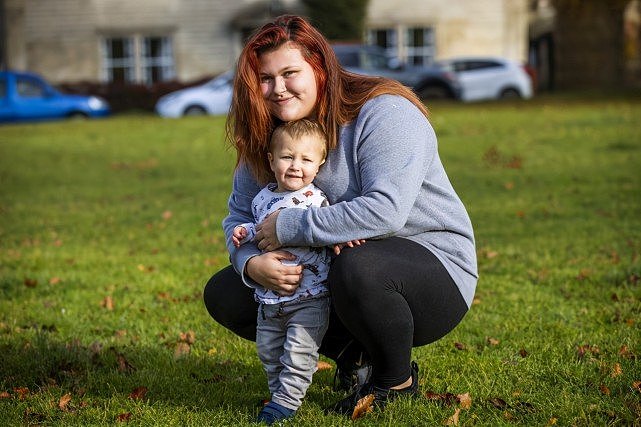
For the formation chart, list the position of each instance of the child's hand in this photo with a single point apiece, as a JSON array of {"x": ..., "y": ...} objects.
[
  {"x": 239, "y": 234},
  {"x": 350, "y": 244}
]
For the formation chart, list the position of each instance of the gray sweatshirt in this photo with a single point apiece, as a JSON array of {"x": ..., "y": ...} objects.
[{"x": 384, "y": 179}]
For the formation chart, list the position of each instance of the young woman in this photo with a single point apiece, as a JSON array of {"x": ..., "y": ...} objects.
[{"x": 414, "y": 278}]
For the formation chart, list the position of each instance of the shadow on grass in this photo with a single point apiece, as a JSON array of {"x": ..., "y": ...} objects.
[{"x": 43, "y": 367}]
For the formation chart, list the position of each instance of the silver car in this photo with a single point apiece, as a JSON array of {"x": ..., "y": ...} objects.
[
  {"x": 489, "y": 78},
  {"x": 213, "y": 97}
]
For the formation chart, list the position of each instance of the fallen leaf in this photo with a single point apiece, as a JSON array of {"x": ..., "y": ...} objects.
[
  {"x": 124, "y": 417},
  {"x": 212, "y": 351},
  {"x": 509, "y": 185},
  {"x": 107, "y": 303},
  {"x": 493, "y": 341},
  {"x": 584, "y": 273},
  {"x": 446, "y": 399},
  {"x": 22, "y": 392},
  {"x": 459, "y": 346},
  {"x": 64, "y": 401},
  {"x": 520, "y": 214},
  {"x": 5, "y": 395},
  {"x": 552, "y": 421},
  {"x": 465, "y": 400},
  {"x": 637, "y": 385},
  {"x": 54, "y": 280},
  {"x": 323, "y": 366},
  {"x": 167, "y": 215},
  {"x": 30, "y": 283},
  {"x": 604, "y": 389},
  {"x": 616, "y": 370},
  {"x": 363, "y": 407},
  {"x": 453, "y": 420},
  {"x": 124, "y": 365},
  {"x": 182, "y": 349},
  {"x": 523, "y": 353},
  {"x": 188, "y": 337},
  {"x": 139, "y": 393}
]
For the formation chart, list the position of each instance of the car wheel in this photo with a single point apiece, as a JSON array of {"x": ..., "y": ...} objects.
[
  {"x": 510, "y": 93},
  {"x": 77, "y": 115},
  {"x": 434, "y": 92},
  {"x": 194, "y": 110}
]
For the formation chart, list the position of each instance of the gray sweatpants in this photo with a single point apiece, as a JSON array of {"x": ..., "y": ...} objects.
[{"x": 287, "y": 338}]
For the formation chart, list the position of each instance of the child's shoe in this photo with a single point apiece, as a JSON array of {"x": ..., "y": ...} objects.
[{"x": 273, "y": 413}]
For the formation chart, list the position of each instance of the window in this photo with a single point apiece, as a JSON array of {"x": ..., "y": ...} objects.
[
  {"x": 30, "y": 88},
  {"x": 419, "y": 46},
  {"x": 138, "y": 59},
  {"x": 385, "y": 38}
]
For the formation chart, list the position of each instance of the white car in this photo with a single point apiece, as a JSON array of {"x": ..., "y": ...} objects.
[
  {"x": 213, "y": 97},
  {"x": 489, "y": 78}
]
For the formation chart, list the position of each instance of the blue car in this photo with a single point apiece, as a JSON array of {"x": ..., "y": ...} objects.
[{"x": 27, "y": 96}]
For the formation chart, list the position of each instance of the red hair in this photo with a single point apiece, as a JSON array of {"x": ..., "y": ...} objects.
[{"x": 340, "y": 94}]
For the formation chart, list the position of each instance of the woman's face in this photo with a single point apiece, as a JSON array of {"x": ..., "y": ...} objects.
[{"x": 288, "y": 83}]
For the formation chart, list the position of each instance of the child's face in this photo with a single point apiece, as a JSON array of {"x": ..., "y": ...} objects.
[{"x": 295, "y": 163}]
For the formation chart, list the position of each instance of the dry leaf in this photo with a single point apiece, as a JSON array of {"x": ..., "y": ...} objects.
[
  {"x": 139, "y": 393},
  {"x": 323, "y": 366},
  {"x": 167, "y": 215},
  {"x": 453, "y": 420},
  {"x": 107, "y": 302},
  {"x": 124, "y": 417},
  {"x": 182, "y": 349},
  {"x": 493, "y": 341},
  {"x": 616, "y": 370},
  {"x": 22, "y": 392},
  {"x": 30, "y": 283},
  {"x": 459, "y": 346},
  {"x": 64, "y": 401},
  {"x": 552, "y": 421},
  {"x": 5, "y": 395},
  {"x": 523, "y": 352},
  {"x": 54, "y": 280},
  {"x": 363, "y": 407},
  {"x": 498, "y": 403},
  {"x": 465, "y": 400},
  {"x": 124, "y": 365},
  {"x": 188, "y": 337},
  {"x": 637, "y": 385},
  {"x": 604, "y": 389}
]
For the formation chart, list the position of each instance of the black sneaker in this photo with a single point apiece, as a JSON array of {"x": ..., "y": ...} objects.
[{"x": 382, "y": 396}]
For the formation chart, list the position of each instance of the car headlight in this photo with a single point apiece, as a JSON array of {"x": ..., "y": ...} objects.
[{"x": 96, "y": 103}]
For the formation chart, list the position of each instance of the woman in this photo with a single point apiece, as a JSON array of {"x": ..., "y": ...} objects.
[{"x": 413, "y": 279}]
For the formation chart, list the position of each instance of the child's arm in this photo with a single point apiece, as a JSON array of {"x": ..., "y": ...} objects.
[{"x": 243, "y": 233}]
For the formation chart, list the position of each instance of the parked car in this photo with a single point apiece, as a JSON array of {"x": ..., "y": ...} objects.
[
  {"x": 429, "y": 82},
  {"x": 213, "y": 97},
  {"x": 489, "y": 78},
  {"x": 27, "y": 96}
]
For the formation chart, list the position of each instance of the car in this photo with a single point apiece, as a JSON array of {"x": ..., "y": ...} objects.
[
  {"x": 429, "y": 82},
  {"x": 26, "y": 96},
  {"x": 213, "y": 97},
  {"x": 485, "y": 78}
]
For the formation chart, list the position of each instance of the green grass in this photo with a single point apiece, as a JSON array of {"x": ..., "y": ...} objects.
[{"x": 109, "y": 230}]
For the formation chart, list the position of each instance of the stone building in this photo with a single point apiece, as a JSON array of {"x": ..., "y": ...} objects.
[{"x": 146, "y": 41}]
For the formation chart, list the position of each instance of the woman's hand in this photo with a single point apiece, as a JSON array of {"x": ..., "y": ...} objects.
[
  {"x": 338, "y": 247},
  {"x": 268, "y": 270},
  {"x": 266, "y": 238}
]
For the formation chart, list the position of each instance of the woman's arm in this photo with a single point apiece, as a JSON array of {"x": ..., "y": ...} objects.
[{"x": 393, "y": 147}]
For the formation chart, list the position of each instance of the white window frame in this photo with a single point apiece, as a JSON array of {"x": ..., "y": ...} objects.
[
  {"x": 137, "y": 61},
  {"x": 422, "y": 53}
]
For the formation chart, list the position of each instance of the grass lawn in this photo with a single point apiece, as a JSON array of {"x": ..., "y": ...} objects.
[{"x": 109, "y": 230}]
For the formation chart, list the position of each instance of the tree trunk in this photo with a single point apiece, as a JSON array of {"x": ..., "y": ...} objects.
[{"x": 589, "y": 43}]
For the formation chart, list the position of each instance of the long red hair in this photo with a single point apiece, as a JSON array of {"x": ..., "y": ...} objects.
[{"x": 340, "y": 94}]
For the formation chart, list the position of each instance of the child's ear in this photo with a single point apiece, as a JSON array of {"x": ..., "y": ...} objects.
[{"x": 270, "y": 157}]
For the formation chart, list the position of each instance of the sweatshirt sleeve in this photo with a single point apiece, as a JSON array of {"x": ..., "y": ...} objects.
[
  {"x": 393, "y": 146},
  {"x": 244, "y": 188}
]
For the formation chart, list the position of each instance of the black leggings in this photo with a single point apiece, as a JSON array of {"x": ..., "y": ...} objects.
[{"x": 388, "y": 296}]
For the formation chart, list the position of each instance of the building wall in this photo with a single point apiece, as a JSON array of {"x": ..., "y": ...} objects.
[
  {"x": 61, "y": 39},
  {"x": 462, "y": 27}
]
